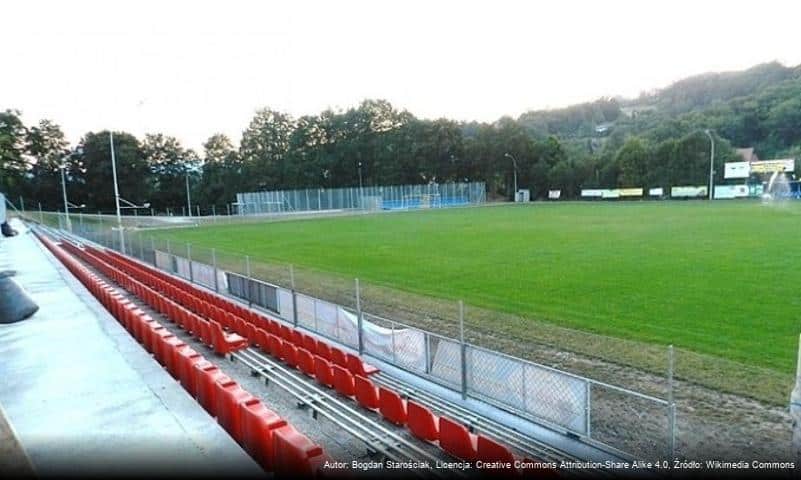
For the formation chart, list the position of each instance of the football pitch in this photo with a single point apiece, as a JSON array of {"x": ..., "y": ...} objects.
[{"x": 721, "y": 279}]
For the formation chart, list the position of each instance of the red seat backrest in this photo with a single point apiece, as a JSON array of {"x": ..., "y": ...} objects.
[
  {"x": 422, "y": 423},
  {"x": 392, "y": 406}
]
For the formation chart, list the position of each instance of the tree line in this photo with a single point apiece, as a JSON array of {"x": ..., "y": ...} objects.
[{"x": 657, "y": 140}]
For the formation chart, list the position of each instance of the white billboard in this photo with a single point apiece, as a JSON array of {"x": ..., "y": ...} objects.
[
  {"x": 688, "y": 192},
  {"x": 736, "y": 170},
  {"x": 554, "y": 194},
  {"x": 730, "y": 191},
  {"x": 592, "y": 193},
  {"x": 656, "y": 192},
  {"x": 612, "y": 193}
]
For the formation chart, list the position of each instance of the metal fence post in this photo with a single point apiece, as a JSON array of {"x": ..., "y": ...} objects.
[
  {"x": 214, "y": 265},
  {"x": 141, "y": 247},
  {"x": 464, "y": 350},
  {"x": 247, "y": 268},
  {"x": 294, "y": 295},
  {"x": 153, "y": 247},
  {"x": 427, "y": 347},
  {"x": 189, "y": 259},
  {"x": 588, "y": 407},
  {"x": 41, "y": 215},
  {"x": 671, "y": 407},
  {"x": 359, "y": 318}
]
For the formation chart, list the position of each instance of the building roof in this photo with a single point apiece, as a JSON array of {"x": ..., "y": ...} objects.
[{"x": 747, "y": 154}]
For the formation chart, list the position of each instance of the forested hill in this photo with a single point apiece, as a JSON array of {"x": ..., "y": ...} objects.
[
  {"x": 654, "y": 140},
  {"x": 755, "y": 107}
]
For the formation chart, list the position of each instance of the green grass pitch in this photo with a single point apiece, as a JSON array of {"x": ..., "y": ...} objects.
[{"x": 721, "y": 278}]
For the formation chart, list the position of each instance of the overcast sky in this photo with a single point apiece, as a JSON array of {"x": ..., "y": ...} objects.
[{"x": 190, "y": 69}]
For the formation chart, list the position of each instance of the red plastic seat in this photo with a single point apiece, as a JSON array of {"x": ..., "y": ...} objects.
[
  {"x": 338, "y": 357},
  {"x": 285, "y": 333},
  {"x": 358, "y": 367},
  {"x": 343, "y": 381},
  {"x": 422, "y": 423},
  {"x": 297, "y": 338},
  {"x": 310, "y": 344},
  {"x": 392, "y": 406},
  {"x": 258, "y": 425},
  {"x": 230, "y": 396},
  {"x": 187, "y": 358},
  {"x": 206, "y": 375},
  {"x": 290, "y": 354},
  {"x": 251, "y": 334},
  {"x": 305, "y": 361},
  {"x": 158, "y": 337},
  {"x": 224, "y": 343},
  {"x": 295, "y": 453},
  {"x": 323, "y": 372},
  {"x": 276, "y": 346},
  {"x": 456, "y": 440},
  {"x": 324, "y": 350},
  {"x": 263, "y": 340},
  {"x": 169, "y": 353},
  {"x": 490, "y": 451},
  {"x": 366, "y": 393}
]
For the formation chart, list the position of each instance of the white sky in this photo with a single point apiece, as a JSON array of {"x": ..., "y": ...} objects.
[{"x": 190, "y": 69}]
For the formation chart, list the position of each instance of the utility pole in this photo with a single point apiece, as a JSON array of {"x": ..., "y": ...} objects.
[{"x": 711, "y": 164}]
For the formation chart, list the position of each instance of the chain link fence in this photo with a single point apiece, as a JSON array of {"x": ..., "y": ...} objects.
[{"x": 394, "y": 197}]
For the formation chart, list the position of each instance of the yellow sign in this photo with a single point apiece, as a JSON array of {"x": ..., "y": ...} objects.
[{"x": 770, "y": 166}]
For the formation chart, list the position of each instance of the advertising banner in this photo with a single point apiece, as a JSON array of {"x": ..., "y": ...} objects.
[
  {"x": 613, "y": 193},
  {"x": 592, "y": 193},
  {"x": 736, "y": 170},
  {"x": 630, "y": 192},
  {"x": 730, "y": 191},
  {"x": 688, "y": 192},
  {"x": 770, "y": 166},
  {"x": 554, "y": 194},
  {"x": 656, "y": 192}
]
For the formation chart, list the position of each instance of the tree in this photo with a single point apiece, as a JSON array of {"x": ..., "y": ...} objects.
[
  {"x": 264, "y": 148},
  {"x": 632, "y": 160},
  {"x": 133, "y": 173},
  {"x": 169, "y": 165},
  {"x": 46, "y": 146},
  {"x": 12, "y": 153}
]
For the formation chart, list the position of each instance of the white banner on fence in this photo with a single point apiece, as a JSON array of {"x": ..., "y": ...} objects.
[
  {"x": 731, "y": 191},
  {"x": 630, "y": 192},
  {"x": 554, "y": 194},
  {"x": 558, "y": 398},
  {"x": 656, "y": 192},
  {"x": 163, "y": 260},
  {"x": 610, "y": 193},
  {"x": 592, "y": 193},
  {"x": 688, "y": 192},
  {"x": 547, "y": 394}
]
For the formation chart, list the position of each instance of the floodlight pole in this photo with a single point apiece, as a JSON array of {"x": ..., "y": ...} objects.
[
  {"x": 711, "y": 164},
  {"x": 116, "y": 190},
  {"x": 514, "y": 164},
  {"x": 188, "y": 197},
  {"x": 64, "y": 192}
]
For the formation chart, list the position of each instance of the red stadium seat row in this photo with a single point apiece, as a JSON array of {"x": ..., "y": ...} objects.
[
  {"x": 275, "y": 444},
  {"x": 333, "y": 368},
  {"x": 247, "y": 323}
]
